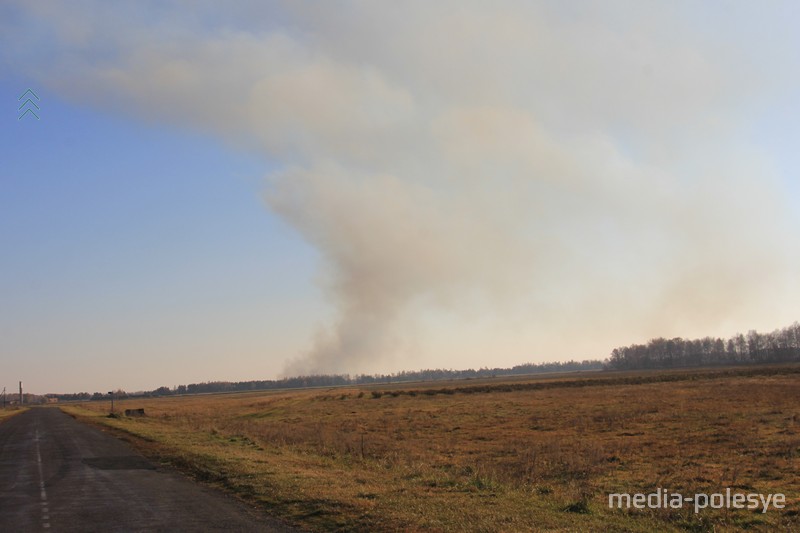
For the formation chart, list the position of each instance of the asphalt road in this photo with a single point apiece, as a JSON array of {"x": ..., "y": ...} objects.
[{"x": 57, "y": 474}]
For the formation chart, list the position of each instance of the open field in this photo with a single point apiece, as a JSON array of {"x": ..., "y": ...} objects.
[{"x": 502, "y": 454}]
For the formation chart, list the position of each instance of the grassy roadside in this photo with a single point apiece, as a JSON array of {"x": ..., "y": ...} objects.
[
  {"x": 500, "y": 458},
  {"x": 8, "y": 413},
  {"x": 322, "y": 494}
]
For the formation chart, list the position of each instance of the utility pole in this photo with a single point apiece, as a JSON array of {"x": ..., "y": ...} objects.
[
  {"x": 21, "y": 398},
  {"x": 112, "y": 401},
  {"x": 4, "y": 397}
]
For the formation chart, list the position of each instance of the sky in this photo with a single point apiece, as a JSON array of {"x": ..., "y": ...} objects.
[{"x": 280, "y": 188}]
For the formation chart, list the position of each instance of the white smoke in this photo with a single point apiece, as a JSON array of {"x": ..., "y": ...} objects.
[{"x": 478, "y": 178}]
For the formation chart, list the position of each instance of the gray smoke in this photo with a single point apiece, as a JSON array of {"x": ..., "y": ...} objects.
[{"x": 485, "y": 183}]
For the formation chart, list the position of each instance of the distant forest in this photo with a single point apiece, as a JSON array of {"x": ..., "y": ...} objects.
[
  {"x": 328, "y": 380},
  {"x": 780, "y": 346}
]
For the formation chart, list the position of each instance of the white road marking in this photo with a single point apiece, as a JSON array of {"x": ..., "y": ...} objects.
[{"x": 42, "y": 491}]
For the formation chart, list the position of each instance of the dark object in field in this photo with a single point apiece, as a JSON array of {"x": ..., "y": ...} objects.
[{"x": 134, "y": 412}]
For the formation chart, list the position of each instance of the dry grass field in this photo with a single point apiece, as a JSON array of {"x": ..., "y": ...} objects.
[
  {"x": 10, "y": 411},
  {"x": 495, "y": 455}
]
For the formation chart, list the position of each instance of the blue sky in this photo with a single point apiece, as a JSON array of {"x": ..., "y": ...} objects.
[
  {"x": 279, "y": 188},
  {"x": 115, "y": 230}
]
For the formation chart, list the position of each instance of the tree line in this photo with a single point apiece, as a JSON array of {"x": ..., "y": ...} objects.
[
  {"x": 333, "y": 380},
  {"x": 780, "y": 346}
]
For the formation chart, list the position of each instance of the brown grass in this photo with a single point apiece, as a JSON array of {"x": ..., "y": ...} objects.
[
  {"x": 509, "y": 455},
  {"x": 11, "y": 411}
]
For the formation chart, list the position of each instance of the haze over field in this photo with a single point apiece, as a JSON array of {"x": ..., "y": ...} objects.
[{"x": 442, "y": 184}]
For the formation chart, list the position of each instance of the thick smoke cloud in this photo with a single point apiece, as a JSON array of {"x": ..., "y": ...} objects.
[{"x": 507, "y": 179}]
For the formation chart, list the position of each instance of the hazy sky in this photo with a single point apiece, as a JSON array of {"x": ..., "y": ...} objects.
[{"x": 272, "y": 188}]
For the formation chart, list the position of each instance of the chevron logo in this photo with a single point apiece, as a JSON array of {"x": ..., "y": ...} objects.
[{"x": 28, "y": 105}]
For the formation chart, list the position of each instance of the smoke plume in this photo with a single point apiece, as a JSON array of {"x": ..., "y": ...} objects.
[{"x": 507, "y": 180}]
